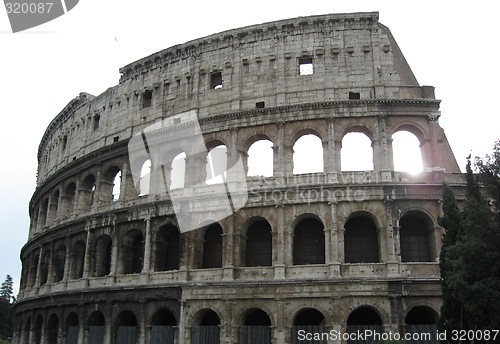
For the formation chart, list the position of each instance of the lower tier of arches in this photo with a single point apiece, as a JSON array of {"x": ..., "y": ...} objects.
[{"x": 292, "y": 312}]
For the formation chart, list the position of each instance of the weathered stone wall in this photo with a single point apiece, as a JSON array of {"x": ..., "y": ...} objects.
[{"x": 89, "y": 251}]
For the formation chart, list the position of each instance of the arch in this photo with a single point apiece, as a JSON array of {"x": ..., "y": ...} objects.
[
  {"x": 309, "y": 242},
  {"x": 144, "y": 183},
  {"x": 44, "y": 209},
  {"x": 216, "y": 166},
  {"x": 167, "y": 248},
  {"x": 308, "y": 154},
  {"x": 361, "y": 240},
  {"x": 44, "y": 277},
  {"x": 212, "y": 247},
  {"x": 126, "y": 330},
  {"x": 178, "y": 172},
  {"x": 68, "y": 205},
  {"x": 206, "y": 329},
  {"x": 33, "y": 270},
  {"x": 87, "y": 193},
  {"x": 256, "y": 327},
  {"x": 72, "y": 328},
  {"x": 422, "y": 319},
  {"x": 416, "y": 234},
  {"x": 259, "y": 244},
  {"x": 58, "y": 263},
  {"x": 356, "y": 153},
  {"x": 414, "y": 128},
  {"x": 77, "y": 260},
  {"x": 163, "y": 325},
  {"x": 26, "y": 331},
  {"x": 52, "y": 329},
  {"x": 110, "y": 185},
  {"x": 96, "y": 323},
  {"x": 364, "y": 315},
  {"x": 132, "y": 252},
  {"x": 407, "y": 155},
  {"x": 102, "y": 261},
  {"x": 260, "y": 158},
  {"x": 54, "y": 205},
  {"x": 309, "y": 320},
  {"x": 38, "y": 330}
]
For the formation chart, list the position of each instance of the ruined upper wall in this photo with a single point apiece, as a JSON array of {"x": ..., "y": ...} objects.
[{"x": 354, "y": 58}]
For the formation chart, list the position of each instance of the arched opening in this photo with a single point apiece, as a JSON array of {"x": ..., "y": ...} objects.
[
  {"x": 356, "y": 153},
  {"x": 77, "y": 260},
  {"x": 133, "y": 252},
  {"x": 145, "y": 178},
  {"x": 308, "y": 155},
  {"x": 102, "y": 265},
  {"x": 33, "y": 271},
  {"x": 26, "y": 332},
  {"x": 87, "y": 193},
  {"x": 420, "y": 320},
  {"x": 309, "y": 242},
  {"x": 206, "y": 329},
  {"x": 416, "y": 234},
  {"x": 212, "y": 247},
  {"x": 216, "y": 167},
  {"x": 259, "y": 244},
  {"x": 178, "y": 172},
  {"x": 52, "y": 329},
  {"x": 110, "y": 185},
  {"x": 72, "y": 329},
  {"x": 126, "y": 332},
  {"x": 45, "y": 268},
  {"x": 54, "y": 206},
  {"x": 58, "y": 263},
  {"x": 96, "y": 328},
  {"x": 38, "y": 330},
  {"x": 260, "y": 159},
  {"x": 163, "y": 327},
  {"x": 167, "y": 248},
  {"x": 406, "y": 152},
  {"x": 256, "y": 328},
  {"x": 361, "y": 240},
  {"x": 42, "y": 218},
  {"x": 363, "y": 319},
  {"x": 309, "y": 320},
  {"x": 69, "y": 200}
]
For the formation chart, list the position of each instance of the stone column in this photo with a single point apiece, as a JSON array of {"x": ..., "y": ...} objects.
[
  {"x": 437, "y": 242},
  {"x": 337, "y": 155},
  {"x": 330, "y": 164},
  {"x": 280, "y": 245},
  {"x": 340, "y": 245},
  {"x": 76, "y": 199},
  {"x": 228, "y": 248},
  {"x": 88, "y": 252},
  {"x": 280, "y": 168},
  {"x": 67, "y": 262},
  {"x": 333, "y": 242},
  {"x": 385, "y": 159},
  {"x": 146, "y": 267},
  {"x": 123, "y": 181}
]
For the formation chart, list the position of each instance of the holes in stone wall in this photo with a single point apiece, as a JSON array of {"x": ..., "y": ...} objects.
[
  {"x": 216, "y": 80},
  {"x": 147, "y": 99},
  {"x": 145, "y": 178},
  {"x": 133, "y": 252},
  {"x": 308, "y": 155},
  {"x": 212, "y": 247},
  {"x": 77, "y": 260},
  {"x": 356, "y": 152},
  {"x": 58, "y": 263},
  {"x": 309, "y": 242},
  {"x": 216, "y": 167},
  {"x": 407, "y": 155},
  {"x": 361, "y": 241},
  {"x": 178, "y": 171},
  {"x": 259, "y": 244},
  {"x": 415, "y": 237},
  {"x": 306, "y": 66},
  {"x": 354, "y": 95},
  {"x": 260, "y": 105},
  {"x": 97, "y": 119},
  {"x": 102, "y": 261},
  {"x": 167, "y": 249},
  {"x": 260, "y": 159}
]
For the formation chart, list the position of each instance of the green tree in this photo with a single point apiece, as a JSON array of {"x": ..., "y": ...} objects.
[
  {"x": 470, "y": 258},
  {"x": 6, "y": 289},
  {"x": 6, "y": 315}
]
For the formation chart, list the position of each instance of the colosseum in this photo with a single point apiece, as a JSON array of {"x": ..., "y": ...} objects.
[{"x": 137, "y": 236}]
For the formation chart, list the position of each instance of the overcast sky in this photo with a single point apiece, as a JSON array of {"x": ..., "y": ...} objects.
[{"x": 450, "y": 45}]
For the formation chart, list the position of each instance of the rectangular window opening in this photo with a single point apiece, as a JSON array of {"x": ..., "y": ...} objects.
[
  {"x": 116, "y": 138},
  {"x": 354, "y": 95},
  {"x": 216, "y": 80},
  {"x": 147, "y": 98},
  {"x": 64, "y": 142},
  {"x": 96, "y": 121},
  {"x": 260, "y": 105},
  {"x": 306, "y": 66}
]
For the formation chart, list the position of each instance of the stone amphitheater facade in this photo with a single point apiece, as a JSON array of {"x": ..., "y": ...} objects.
[{"x": 332, "y": 250}]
